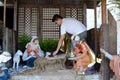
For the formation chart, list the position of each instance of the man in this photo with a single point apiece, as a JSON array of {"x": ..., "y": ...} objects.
[{"x": 68, "y": 25}]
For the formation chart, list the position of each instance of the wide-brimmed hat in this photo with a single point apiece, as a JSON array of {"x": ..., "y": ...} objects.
[{"x": 5, "y": 56}]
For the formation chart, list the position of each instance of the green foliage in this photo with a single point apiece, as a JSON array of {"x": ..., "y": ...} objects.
[
  {"x": 22, "y": 41},
  {"x": 117, "y": 2},
  {"x": 48, "y": 45}
]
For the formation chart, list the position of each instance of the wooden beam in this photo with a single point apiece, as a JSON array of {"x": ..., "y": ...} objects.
[
  {"x": 95, "y": 14},
  {"x": 95, "y": 25},
  {"x": 103, "y": 11},
  {"x": 6, "y": 29},
  {"x": 84, "y": 13},
  {"x": 4, "y": 17},
  {"x": 41, "y": 23},
  {"x": 15, "y": 38},
  {"x": 104, "y": 43},
  {"x": 15, "y": 15}
]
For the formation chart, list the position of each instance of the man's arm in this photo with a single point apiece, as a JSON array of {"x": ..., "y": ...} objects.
[{"x": 59, "y": 44}]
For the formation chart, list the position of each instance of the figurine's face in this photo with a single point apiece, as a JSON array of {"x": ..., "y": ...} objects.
[
  {"x": 80, "y": 47},
  {"x": 84, "y": 48},
  {"x": 36, "y": 41}
]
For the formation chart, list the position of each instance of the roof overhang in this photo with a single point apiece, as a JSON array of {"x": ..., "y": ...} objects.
[{"x": 90, "y": 3}]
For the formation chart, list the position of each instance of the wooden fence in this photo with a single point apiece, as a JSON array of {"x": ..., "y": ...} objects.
[{"x": 108, "y": 41}]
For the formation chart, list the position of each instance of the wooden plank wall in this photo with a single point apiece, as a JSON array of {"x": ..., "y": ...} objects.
[
  {"x": 112, "y": 34},
  {"x": 10, "y": 40},
  {"x": 1, "y": 34},
  {"x": 108, "y": 41},
  {"x": 1, "y": 25},
  {"x": 54, "y": 2},
  {"x": 91, "y": 41},
  {"x": 10, "y": 44}
]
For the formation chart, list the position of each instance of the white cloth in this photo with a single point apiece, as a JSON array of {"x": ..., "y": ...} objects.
[
  {"x": 33, "y": 38},
  {"x": 72, "y": 26},
  {"x": 5, "y": 56}
]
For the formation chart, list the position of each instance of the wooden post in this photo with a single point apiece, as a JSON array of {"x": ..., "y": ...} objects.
[
  {"x": 15, "y": 15},
  {"x": 62, "y": 13},
  {"x": 84, "y": 13},
  {"x": 41, "y": 22},
  {"x": 95, "y": 25},
  {"x": 4, "y": 17},
  {"x": 103, "y": 11},
  {"x": 6, "y": 29},
  {"x": 104, "y": 43},
  {"x": 15, "y": 26}
]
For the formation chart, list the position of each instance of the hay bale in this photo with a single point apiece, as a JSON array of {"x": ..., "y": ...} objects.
[
  {"x": 43, "y": 64},
  {"x": 40, "y": 64},
  {"x": 39, "y": 68}
]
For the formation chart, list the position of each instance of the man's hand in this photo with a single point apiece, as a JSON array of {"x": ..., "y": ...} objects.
[
  {"x": 59, "y": 44},
  {"x": 55, "y": 52}
]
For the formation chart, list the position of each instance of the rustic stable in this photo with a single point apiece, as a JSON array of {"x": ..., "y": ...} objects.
[{"x": 34, "y": 18}]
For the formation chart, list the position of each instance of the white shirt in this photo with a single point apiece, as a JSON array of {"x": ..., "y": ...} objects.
[{"x": 72, "y": 26}]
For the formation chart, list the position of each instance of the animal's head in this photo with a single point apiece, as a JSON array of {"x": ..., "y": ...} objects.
[{"x": 19, "y": 53}]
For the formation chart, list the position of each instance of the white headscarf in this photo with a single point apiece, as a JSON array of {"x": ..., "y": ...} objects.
[
  {"x": 31, "y": 42},
  {"x": 33, "y": 38}
]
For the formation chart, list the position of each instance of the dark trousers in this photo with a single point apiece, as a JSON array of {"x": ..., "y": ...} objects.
[{"x": 30, "y": 62}]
